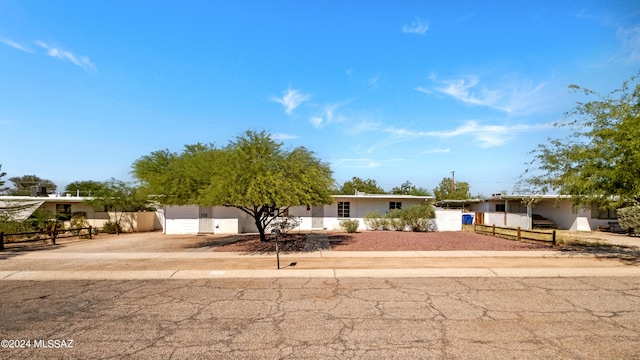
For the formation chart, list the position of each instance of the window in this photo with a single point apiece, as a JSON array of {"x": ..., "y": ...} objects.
[
  {"x": 275, "y": 211},
  {"x": 395, "y": 205},
  {"x": 63, "y": 212},
  {"x": 343, "y": 209},
  {"x": 500, "y": 208}
]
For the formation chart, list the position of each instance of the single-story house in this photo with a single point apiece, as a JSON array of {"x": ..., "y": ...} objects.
[
  {"x": 63, "y": 207},
  {"x": 527, "y": 211},
  {"x": 195, "y": 219}
]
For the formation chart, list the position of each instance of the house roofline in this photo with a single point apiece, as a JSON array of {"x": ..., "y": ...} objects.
[
  {"x": 529, "y": 196},
  {"x": 56, "y": 199},
  {"x": 382, "y": 196}
]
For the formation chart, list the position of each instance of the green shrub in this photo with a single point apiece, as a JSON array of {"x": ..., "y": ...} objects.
[
  {"x": 78, "y": 221},
  {"x": 13, "y": 227},
  {"x": 396, "y": 220},
  {"x": 417, "y": 217},
  {"x": 375, "y": 221},
  {"x": 350, "y": 226},
  {"x": 110, "y": 227},
  {"x": 629, "y": 219}
]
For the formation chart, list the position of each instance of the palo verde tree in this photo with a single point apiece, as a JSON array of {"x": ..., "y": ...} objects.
[
  {"x": 599, "y": 162},
  {"x": 118, "y": 197},
  {"x": 254, "y": 173}
]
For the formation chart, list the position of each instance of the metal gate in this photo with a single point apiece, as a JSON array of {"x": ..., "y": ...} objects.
[
  {"x": 317, "y": 217},
  {"x": 205, "y": 219}
]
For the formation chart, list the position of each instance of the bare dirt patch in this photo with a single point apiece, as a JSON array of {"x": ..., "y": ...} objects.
[{"x": 383, "y": 241}]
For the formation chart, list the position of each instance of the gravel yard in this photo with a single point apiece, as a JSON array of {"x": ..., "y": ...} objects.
[{"x": 385, "y": 241}]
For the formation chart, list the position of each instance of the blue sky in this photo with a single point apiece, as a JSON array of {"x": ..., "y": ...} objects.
[{"x": 387, "y": 90}]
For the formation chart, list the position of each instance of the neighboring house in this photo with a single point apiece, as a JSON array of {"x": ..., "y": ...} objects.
[
  {"x": 228, "y": 220},
  {"x": 63, "y": 207},
  {"x": 527, "y": 211}
]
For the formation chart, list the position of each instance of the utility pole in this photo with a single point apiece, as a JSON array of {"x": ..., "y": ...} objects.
[{"x": 453, "y": 182}]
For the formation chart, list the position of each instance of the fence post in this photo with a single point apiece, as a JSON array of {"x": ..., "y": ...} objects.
[
  {"x": 54, "y": 234},
  {"x": 518, "y": 233},
  {"x": 553, "y": 238},
  {"x": 493, "y": 229},
  {"x": 90, "y": 231},
  {"x": 1, "y": 241}
]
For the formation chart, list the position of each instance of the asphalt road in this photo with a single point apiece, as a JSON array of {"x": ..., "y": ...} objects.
[{"x": 334, "y": 318}]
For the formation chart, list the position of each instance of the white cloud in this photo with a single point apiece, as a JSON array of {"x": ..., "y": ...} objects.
[
  {"x": 82, "y": 61},
  {"x": 283, "y": 136},
  {"x": 291, "y": 99},
  {"x": 436, "y": 151},
  {"x": 362, "y": 126},
  {"x": 485, "y": 135},
  {"x": 372, "y": 81},
  {"x": 15, "y": 45},
  {"x": 327, "y": 116},
  {"x": 512, "y": 96},
  {"x": 416, "y": 27},
  {"x": 317, "y": 121},
  {"x": 356, "y": 163},
  {"x": 630, "y": 38}
]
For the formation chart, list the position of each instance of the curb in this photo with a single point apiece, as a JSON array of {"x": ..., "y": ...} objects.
[{"x": 319, "y": 273}]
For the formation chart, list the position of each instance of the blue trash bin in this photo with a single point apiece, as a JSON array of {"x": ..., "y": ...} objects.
[{"x": 467, "y": 219}]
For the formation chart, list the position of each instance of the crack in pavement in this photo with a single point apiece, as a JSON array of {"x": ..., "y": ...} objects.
[{"x": 281, "y": 318}]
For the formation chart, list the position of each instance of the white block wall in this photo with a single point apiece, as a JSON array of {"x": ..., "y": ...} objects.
[{"x": 449, "y": 220}]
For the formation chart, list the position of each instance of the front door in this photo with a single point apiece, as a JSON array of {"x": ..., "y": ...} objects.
[
  {"x": 205, "y": 220},
  {"x": 317, "y": 217}
]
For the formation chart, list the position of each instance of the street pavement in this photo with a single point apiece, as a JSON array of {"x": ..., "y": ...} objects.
[
  {"x": 323, "y": 318},
  {"x": 120, "y": 299}
]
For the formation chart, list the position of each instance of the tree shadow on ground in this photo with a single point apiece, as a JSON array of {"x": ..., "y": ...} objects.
[
  {"x": 338, "y": 240},
  {"x": 250, "y": 243},
  {"x": 629, "y": 255},
  {"x": 13, "y": 249}
]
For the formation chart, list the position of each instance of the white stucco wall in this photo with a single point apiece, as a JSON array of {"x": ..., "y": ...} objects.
[
  {"x": 226, "y": 220},
  {"x": 448, "y": 220}
]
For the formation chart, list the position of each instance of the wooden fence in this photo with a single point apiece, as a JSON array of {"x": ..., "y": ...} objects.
[
  {"x": 516, "y": 234},
  {"x": 43, "y": 235}
]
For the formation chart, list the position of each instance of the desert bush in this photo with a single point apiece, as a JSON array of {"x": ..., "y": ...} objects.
[
  {"x": 376, "y": 221},
  {"x": 396, "y": 220},
  {"x": 13, "y": 227},
  {"x": 111, "y": 227},
  {"x": 629, "y": 219},
  {"x": 417, "y": 217},
  {"x": 285, "y": 223},
  {"x": 78, "y": 221},
  {"x": 350, "y": 226},
  {"x": 42, "y": 220}
]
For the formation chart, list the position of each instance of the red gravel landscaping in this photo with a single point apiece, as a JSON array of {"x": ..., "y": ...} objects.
[
  {"x": 425, "y": 241},
  {"x": 383, "y": 241}
]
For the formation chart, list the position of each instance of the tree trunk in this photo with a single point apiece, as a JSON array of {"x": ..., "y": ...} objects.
[{"x": 260, "y": 226}]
